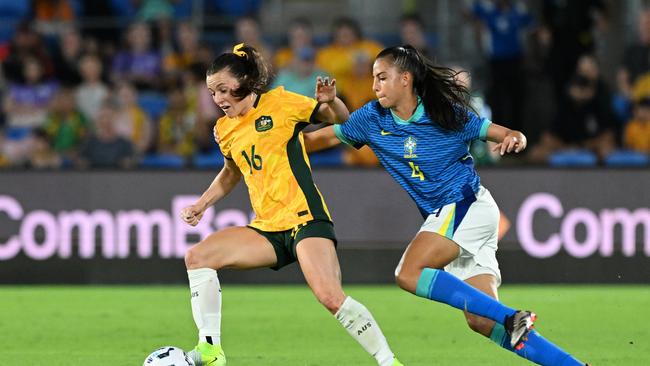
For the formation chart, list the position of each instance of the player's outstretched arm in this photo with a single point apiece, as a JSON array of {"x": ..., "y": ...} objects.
[
  {"x": 321, "y": 139},
  {"x": 222, "y": 184},
  {"x": 507, "y": 140},
  {"x": 332, "y": 109}
]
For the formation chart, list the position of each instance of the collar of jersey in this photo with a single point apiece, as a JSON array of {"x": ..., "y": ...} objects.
[
  {"x": 419, "y": 112},
  {"x": 253, "y": 108}
]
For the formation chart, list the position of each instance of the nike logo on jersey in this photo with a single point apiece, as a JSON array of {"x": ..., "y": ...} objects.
[{"x": 385, "y": 133}]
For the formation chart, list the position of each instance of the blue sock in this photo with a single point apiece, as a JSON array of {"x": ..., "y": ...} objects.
[
  {"x": 537, "y": 349},
  {"x": 443, "y": 287}
]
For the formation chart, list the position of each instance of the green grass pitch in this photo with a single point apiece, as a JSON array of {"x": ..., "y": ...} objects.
[{"x": 284, "y": 325}]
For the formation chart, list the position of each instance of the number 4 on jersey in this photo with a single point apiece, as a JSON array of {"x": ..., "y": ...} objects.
[
  {"x": 254, "y": 161},
  {"x": 416, "y": 173}
]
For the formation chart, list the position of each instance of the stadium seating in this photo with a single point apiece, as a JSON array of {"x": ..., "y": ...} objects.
[
  {"x": 629, "y": 158},
  {"x": 209, "y": 160},
  {"x": 573, "y": 158},
  {"x": 17, "y": 133},
  {"x": 162, "y": 161},
  {"x": 327, "y": 158},
  {"x": 153, "y": 103}
]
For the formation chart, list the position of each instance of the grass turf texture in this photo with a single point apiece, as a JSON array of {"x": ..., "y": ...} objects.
[{"x": 284, "y": 325}]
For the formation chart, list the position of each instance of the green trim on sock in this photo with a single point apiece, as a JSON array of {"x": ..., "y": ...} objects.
[
  {"x": 425, "y": 282},
  {"x": 498, "y": 334}
]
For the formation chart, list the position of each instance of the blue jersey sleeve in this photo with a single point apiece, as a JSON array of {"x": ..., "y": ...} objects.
[
  {"x": 475, "y": 128},
  {"x": 354, "y": 131}
]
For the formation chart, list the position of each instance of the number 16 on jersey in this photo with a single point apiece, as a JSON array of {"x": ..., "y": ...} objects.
[{"x": 254, "y": 161}]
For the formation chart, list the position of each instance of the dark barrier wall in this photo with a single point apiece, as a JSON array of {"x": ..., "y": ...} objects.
[{"x": 121, "y": 227}]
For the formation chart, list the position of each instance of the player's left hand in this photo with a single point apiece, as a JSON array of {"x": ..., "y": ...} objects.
[
  {"x": 325, "y": 89},
  {"x": 514, "y": 141}
]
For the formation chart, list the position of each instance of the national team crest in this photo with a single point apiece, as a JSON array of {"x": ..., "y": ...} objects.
[
  {"x": 263, "y": 123},
  {"x": 410, "y": 148}
]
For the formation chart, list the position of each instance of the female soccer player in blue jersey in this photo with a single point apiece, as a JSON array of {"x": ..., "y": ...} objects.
[{"x": 420, "y": 128}]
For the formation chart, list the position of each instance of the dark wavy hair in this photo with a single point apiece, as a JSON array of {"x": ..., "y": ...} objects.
[
  {"x": 251, "y": 70},
  {"x": 445, "y": 101}
]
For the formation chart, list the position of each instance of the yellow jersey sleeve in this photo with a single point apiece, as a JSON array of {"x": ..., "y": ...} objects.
[
  {"x": 302, "y": 108},
  {"x": 224, "y": 143}
]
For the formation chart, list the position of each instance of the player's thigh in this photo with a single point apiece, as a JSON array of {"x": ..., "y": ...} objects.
[
  {"x": 426, "y": 250},
  {"x": 236, "y": 247},
  {"x": 320, "y": 266},
  {"x": 487, "y": 284}
]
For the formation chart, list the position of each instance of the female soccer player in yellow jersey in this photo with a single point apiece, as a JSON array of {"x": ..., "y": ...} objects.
[{"x": 261, "y": 140}]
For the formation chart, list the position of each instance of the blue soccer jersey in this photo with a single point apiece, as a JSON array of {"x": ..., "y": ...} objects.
[{"x": 431, "y": 163}]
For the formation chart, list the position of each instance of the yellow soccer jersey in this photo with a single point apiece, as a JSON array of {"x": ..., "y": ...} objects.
[{"x": 267, "y": 145}]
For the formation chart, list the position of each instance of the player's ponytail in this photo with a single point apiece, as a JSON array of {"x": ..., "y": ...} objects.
[
  {"x": 248, "y": 66},
  {"x": 445, "y": 101}
]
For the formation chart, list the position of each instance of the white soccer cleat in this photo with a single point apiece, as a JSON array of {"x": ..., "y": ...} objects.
[{"x": 518, "y": 326}]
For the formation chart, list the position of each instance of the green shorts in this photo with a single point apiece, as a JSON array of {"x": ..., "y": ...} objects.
[{"x": 284, "y": 242}]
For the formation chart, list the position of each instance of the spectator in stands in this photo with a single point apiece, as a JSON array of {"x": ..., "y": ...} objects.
[
  {"x": 41, "y": 154},
  {"x": 349, "y": 60},
  {"x": 106, "y": 148},
  {"x": 411, "y": 31},
  {"x": 66, "y": 126},
  {"x": 633, "y": 78},
  {"x": 163, "y": 29},
  {"x": 199, "y": 100},
  {"x": 636, "y": 59},
  {"x": 92, "y": 92},
  {"x": 177, "y": 127},
  {"x": 637, "y": 131},
  {"x": 187, "y": 44},
  {"x": 25, "y": 104},
  {"x": 131, "y": 121},
  {"x": 300, "y": 36},
  {"x": 584, "y": 118},
  {"x": 569, "y": 28},
  {"x": 247, "y": 31},
  {"x": 299, "y": 75},
  {"x": 205, "y": 55},
  {"x": 482, "y": 151},
  {"x": 26, "y": 44},
  {"x": 505, "y": 22},
  {"x": 139, "y": 64},
  {"x": 66, "y": 59}
]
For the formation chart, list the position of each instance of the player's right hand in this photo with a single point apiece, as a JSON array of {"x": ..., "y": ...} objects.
[{"x": 192, "y": 214}]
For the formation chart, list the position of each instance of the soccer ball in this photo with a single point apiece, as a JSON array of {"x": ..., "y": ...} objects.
[{"x": 168, "y": 356}]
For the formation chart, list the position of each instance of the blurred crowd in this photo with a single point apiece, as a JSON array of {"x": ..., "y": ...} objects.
[{"x": 132, "y": 94}]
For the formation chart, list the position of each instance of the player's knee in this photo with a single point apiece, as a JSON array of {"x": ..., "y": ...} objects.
[
  {"x": 192, "y": 258},
  {"x": 406, "y": 280},
  {"x": 479, "y": 324}
]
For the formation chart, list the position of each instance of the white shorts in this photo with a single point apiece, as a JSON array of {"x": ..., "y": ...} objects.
[{"x": 473, "y": 225}]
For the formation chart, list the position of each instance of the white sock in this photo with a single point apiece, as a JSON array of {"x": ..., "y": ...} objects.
[
  {"x": 358, "y": 321},
  {"x": 206, "y": 303}
]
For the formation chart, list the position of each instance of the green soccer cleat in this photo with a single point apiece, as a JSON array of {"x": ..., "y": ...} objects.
[
  {"x": 206, "y": 354},
  {"x": 397, "y": 363}
]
